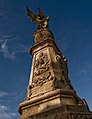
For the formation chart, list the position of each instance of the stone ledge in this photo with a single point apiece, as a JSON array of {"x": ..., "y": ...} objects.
[
  {"x": 62, "y": 112},
  {"x": 48, "y": 96}
]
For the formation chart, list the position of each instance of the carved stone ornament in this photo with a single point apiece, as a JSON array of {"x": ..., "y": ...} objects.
[
  {"x": 43, "y": 78},
  {"x": 41, "y": 64},
  {"x": 41, "y": 67}
]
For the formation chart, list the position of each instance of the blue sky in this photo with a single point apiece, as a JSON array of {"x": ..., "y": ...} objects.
[{"x": 71, "y": 23}]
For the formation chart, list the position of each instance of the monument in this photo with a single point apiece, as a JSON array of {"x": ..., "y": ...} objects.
[{"x": 50, "y": 94}]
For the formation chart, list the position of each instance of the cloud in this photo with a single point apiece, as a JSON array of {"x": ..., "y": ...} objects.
[
  {"x": 9, "y": 48},
  {"x": 5, "y": 50},
  {"x": 2, "y": 94},
  {"x": 5, "y": 110},
  {"x": 5, "y": 114}
]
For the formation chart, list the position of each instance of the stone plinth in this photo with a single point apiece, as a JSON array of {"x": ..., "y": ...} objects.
[
  {"x": 55, "y": 104},
  {"x": 50, "y": 94}
]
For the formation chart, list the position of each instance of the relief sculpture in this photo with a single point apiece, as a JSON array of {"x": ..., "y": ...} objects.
[
  {"x": 41, "y": 70},
  {"x": 41, "y": 64},
  {"x": 43, "y": 78}
]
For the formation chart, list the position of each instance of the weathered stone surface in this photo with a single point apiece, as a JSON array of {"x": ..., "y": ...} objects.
[
  {"x": 50, "y": 94},
  {"x": 62, "y": 112},
  {"x": 58, "y": 102},
  {"x": 49, "y": 69}
]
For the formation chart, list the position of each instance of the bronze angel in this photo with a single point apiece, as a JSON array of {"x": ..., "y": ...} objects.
[{"x": 39, "y": 19}]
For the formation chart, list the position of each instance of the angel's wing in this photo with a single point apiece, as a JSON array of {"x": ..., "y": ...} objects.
[{"x": 32, "y": 15}]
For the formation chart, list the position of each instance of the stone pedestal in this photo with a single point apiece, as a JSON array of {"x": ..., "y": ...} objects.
[
  {"x": 50, "y": 94},
  {"x": 57, "y": 104}
]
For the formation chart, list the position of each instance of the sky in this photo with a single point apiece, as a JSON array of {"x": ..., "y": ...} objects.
[{"x": 71, "y": 24}]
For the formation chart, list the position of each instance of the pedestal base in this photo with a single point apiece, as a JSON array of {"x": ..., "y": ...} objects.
[
  {"x": 57, "y": 104},
  {"x": 63, "y": 112}
]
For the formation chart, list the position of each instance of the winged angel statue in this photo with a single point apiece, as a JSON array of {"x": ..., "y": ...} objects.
[{"x": 39, "y": 19}]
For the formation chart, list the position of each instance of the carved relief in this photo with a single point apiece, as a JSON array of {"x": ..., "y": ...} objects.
[
  {"x": 43, "y": 78},
  {"x": 41, "y": 64},
  {"x": 41, "y": 70},
  {"x": 62, "y": 63}
]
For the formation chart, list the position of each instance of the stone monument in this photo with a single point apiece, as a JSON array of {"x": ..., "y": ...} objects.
[{"x": 50, "y": 94}]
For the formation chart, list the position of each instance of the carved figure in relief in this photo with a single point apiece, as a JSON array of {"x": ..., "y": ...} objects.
[
  {"x": 41, "y": 64},
  {"x": 41, "y": 70},
  {"x": 43, "y": 78}
]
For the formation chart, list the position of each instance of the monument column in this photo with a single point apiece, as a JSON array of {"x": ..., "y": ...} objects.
[{"x": 50, "y": 94}]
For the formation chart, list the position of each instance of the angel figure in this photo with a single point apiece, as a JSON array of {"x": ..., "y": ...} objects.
[{"x": 39, "y": 19}]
